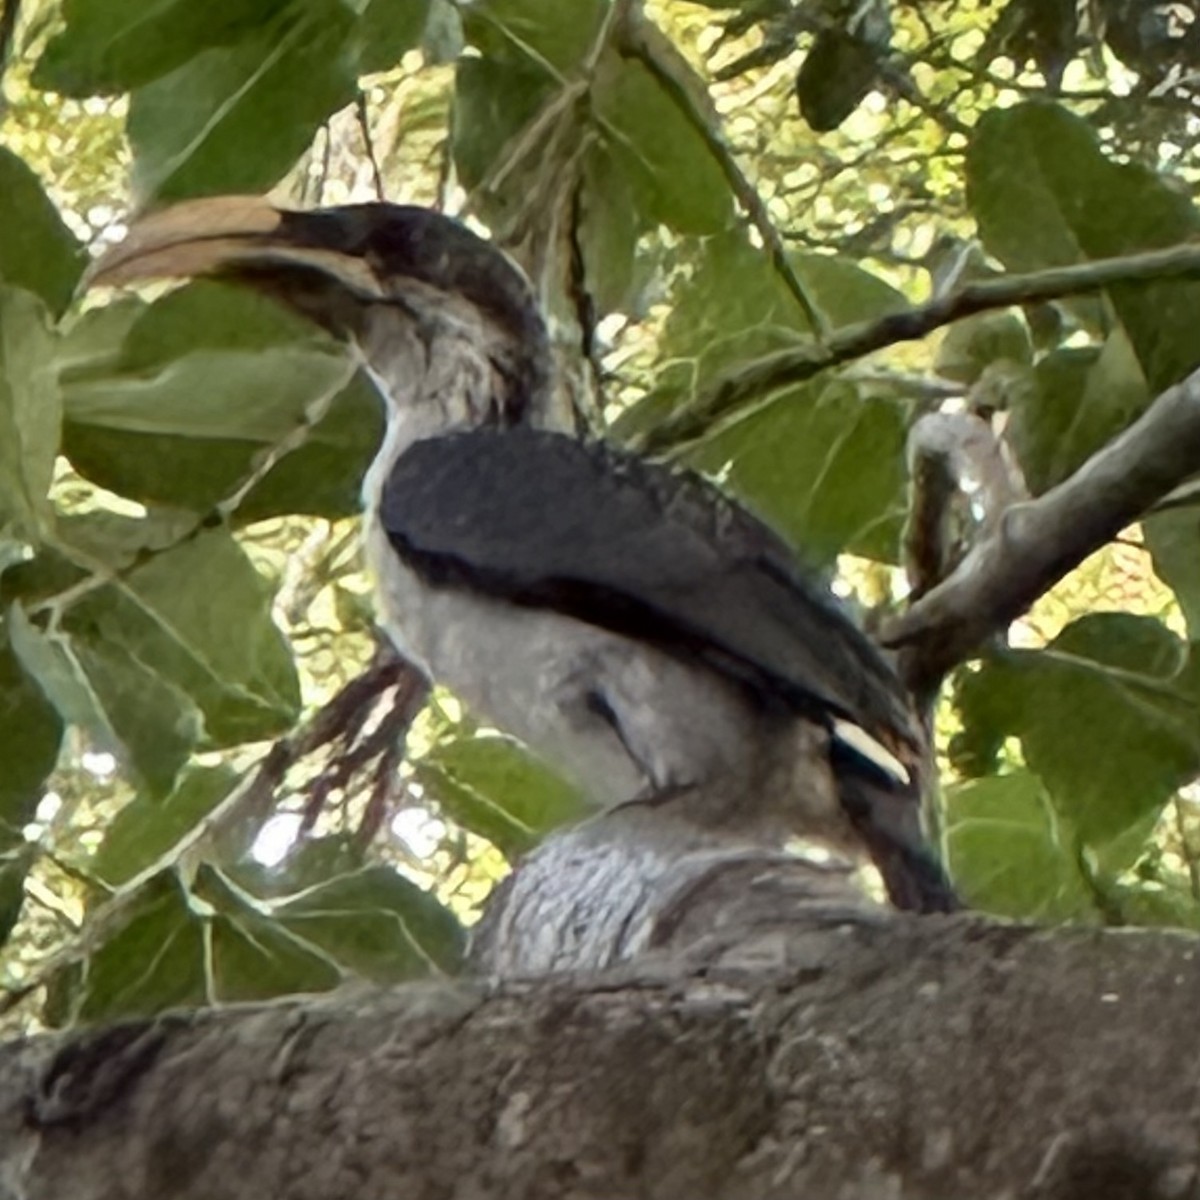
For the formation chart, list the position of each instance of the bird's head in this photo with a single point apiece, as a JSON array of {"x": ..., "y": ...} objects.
[{"x": 446, "y": 325}]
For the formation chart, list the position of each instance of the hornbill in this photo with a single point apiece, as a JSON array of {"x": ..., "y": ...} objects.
[{"x": 627, "y": 621}]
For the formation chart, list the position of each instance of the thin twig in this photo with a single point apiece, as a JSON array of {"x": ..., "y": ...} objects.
[
  {"x": 364, "y": 128},
  {"x": 350, "y": 712},
  {"x": 645, "y": 42},
  {"x": 411, "y": 694},
  {"x": 528, "y": 142}
]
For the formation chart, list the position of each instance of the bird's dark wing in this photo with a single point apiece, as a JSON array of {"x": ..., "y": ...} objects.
[{"x": 544, "y": 520}]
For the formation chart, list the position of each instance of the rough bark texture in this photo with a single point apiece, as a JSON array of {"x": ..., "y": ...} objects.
[{"x": 874, "y": 1055}]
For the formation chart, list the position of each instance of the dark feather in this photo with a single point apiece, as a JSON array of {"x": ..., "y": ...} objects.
[{"x": 543, "y": 520}]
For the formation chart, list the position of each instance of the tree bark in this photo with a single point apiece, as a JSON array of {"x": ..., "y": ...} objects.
[{"x": 865, "y": 1055}]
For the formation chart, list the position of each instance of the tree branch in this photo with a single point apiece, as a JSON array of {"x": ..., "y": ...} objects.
[
  {"x": 961, "y": 484},
  {"x": 1038, "y": 542},
  {"x": 922, "y": 1058},
  {"x": 739, "y": 391}
]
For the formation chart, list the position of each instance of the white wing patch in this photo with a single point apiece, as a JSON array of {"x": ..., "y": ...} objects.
[{"x": 861, "y": 742}]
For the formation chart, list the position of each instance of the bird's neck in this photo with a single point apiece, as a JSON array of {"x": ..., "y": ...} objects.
[
  {"x": 429, "y": 398},
  {"x": 443, "y": 368}
]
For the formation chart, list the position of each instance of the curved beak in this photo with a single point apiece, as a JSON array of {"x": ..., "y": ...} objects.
[{"x": 216, "y": 236}]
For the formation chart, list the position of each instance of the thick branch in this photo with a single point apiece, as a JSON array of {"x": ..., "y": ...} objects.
[
  {"x": 917, "y": 1058},
  {"x": 1038, "y": 542}
]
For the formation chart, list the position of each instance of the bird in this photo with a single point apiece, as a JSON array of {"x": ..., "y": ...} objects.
[{"x": 635, "y": 626}]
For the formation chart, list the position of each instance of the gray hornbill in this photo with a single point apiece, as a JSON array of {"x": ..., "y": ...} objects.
[{"x": 627, "y": 621}]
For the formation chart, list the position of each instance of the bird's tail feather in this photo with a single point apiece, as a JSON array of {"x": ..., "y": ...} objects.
[{"x": 886, "y": 814}]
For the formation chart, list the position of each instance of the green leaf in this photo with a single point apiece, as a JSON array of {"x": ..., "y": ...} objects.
[
  {"x": 734, "y": 307},
  {"x": 156, "y": 724},
  {"x": 30, "y": 734},
  {"x": 183, "y": 648},
  {"x": 213, "y": 315},
  {"x": 90, "y": 342},
  {"x": 111, "y": 46},
  {"x": 235, "y": 118},
  {"x": 494, "y": 100},
  {"x": 799, "y": 462},
  {"x": 205, "y": 381},
  {"x": 37, "y": 250},
  {"x": 1028, "y": 171},
  {"x": 842, "y": 291},
  {"x": 1046, "y": 31},
  {"x": 379, "y": 925},
  {"x": 86, "y": 668},
  {"x": 179, "y": 946},
  {"x": 797, "y": 458},
  {"x": 198, "y": 617},
  {"x": 649, "y": 150},
  {"x": 323, "y": 477},
  {"x": 251, "y": 395},
  {"x": 1080, "y": 399},
  {"x": 253, "y": 956},
  {"x": 670, "y": 169},
  {"x": 1008, "y": 853},
  {"x": 974, "y": 344},
  {"x": 1157, "y": 904},
  {"x": 148, "y": 828},
  {"x": 50, "y": 660},
  {"x": 609, "y": 224},
  {"x": 1045, "y": 195},
  {"x": 1174, "y": 541},
  {"x": 1107, "y": 715},
  {"x": 30, "y": 413},
  {"x": 309, "y": 861},
  {"x": 987, "y": 717},
  {"x": 1040, "y": 424},
  {"x": 835, "y": 77},
  {"x": 493, "y": 787},
  {"x": 216, "y": 943},
  {"x": 154, "y": 961}
]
